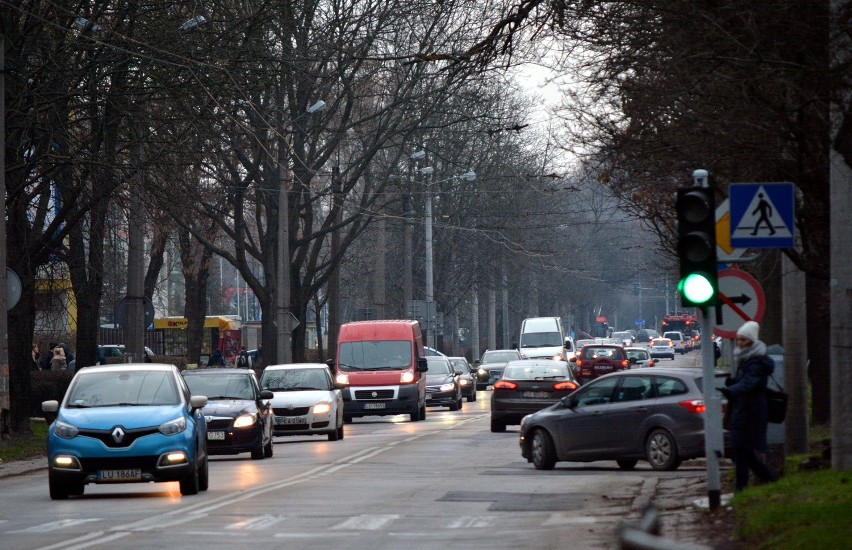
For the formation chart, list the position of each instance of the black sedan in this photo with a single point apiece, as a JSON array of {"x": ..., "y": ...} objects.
[
  {"x": 442, "y": 384},
  {"x": 239, "y": 417},
  {"x": 527, "y": 386},
  {"x": 467, "y": 378},
  {"x": 652, "y": 414},
  {"x": 492, "y": 364}
]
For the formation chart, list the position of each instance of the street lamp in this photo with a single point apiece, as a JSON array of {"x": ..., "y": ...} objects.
[
  {"x": 283, "y": 317},
  {"x": 430, "y": 287},
  {"x": 407, "y": 268}
]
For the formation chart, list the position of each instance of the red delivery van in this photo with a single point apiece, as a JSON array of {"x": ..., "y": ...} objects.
[{"x": 381, "y": 368}]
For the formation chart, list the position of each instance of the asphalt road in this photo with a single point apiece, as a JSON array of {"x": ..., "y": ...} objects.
[{"x": 444, "y": 483}]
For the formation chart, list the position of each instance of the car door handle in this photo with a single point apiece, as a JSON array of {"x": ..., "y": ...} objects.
[{"x": 641, "y": 409}]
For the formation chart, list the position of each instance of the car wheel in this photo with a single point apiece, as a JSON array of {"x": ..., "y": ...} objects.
[
  {"x": 542, "y": 451},
  {"x": 454, "y": 406},
  {"x": 422, "y": 413},
  {"x": 204, "y": 477},
  {"x": 340, "y": 432},
  {"x": 189, "y": 484},
  {"x": 58, "y": 489},
  {"x": 497, "y": 426},
  {"x": 268, "y": 450},
  {"x": 661, "y": 450},
  {"x": 473, "y": 397},
  {"x": 258, "y": 454},
  {"x": 626, "y": 464},
  {"x": 460, "y": 402}
]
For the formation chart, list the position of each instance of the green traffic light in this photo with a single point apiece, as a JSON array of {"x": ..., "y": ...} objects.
[{"x": 696, "y": 288}]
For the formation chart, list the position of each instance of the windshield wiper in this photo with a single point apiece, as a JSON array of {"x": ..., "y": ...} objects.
[{"x": 221, "y": 398}]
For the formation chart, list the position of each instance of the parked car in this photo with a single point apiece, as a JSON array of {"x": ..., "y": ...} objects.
[
  {"x": 638, "y": 357},
  {"x": 490, "y": 367},
  {"x": 442, "y": 384},
  {"x": 661, "y": 347},
  {"x": 304, "y": 400},
  {"x": 655, "y": 415},
  {"x": 129, "y": 423},
  {"x": 238, "y": 414},
  {"x": 598, "y": 359},
  {"x": 467, "y": 378},
  {"x": 678, "y": 340},
  {"x": 527, "y": 386}
]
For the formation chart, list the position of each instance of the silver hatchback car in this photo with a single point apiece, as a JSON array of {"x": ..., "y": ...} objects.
[{"x": 652, "y": 414}]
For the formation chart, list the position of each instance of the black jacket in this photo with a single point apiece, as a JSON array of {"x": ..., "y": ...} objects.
[{"x": 746, "y": 395}]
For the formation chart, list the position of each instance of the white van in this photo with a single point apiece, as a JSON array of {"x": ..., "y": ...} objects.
[
  {"x": 542, "y": 338},
  {"x": 678, "y": 339}
]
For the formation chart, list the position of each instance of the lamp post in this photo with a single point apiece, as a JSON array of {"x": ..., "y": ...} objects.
[
  {"x": 430, "y": 285},
  {"x": 407, "y": 269},
  {"x": 283, "y": 317}
]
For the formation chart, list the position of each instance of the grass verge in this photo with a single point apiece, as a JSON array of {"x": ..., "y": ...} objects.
[
  {"x": 26, "y": 447},
  {"x": 801, "y": 510}
]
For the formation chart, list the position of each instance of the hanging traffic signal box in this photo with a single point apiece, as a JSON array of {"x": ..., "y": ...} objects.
[{"x": 696, "y": 247}]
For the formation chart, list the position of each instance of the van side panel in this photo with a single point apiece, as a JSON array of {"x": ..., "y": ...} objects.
[{"x": 382, "y": 392}]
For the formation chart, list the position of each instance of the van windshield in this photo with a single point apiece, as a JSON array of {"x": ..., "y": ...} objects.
[
  {"x": 375, "y": 355},
  {"x": 541, "y": 340}
]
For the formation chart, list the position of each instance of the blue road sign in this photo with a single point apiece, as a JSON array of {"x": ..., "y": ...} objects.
[
  {"x": 762, "y": 215},
  {"x": 640, "y": 322}
]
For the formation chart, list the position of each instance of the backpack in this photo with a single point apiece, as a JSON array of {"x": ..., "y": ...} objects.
[{"x": 243, "y": 360}]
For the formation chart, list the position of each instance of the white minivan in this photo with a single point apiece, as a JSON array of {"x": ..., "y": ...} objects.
[
  {"x": 678, "y": 339},
  {"x": 542, "y": 338}
]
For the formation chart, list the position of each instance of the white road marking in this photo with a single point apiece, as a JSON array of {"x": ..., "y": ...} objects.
[
  {"x": 468, "y": 522},
  {"x": 56, "y": 525},
  {"x": 364, "y": 522},
  {"x": 562, "y": 518},
  {"x": 261, "y": 522}
]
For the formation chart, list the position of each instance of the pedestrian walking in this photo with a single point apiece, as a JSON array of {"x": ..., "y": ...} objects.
[
  {"x": 35, "y": 354},
  {"x": 46, "y": 358},
  {"x": 243, "y": 359},
  {"x": 58, "y": 361},
  {"x": 746, "y": 393}
]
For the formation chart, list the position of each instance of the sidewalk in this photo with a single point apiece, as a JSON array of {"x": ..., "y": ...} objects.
[{"x": 21, "y": 467}]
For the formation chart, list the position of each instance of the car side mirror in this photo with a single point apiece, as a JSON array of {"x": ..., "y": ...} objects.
[
  {"x": 266, "y": 394},
  {"x": 569, "y": 402},
  {"x": 330, "y": 363},
  {"x": 197, "y": 401},
  {"x": 422, "y": 364},
  {"x": 50, "y": 406}
]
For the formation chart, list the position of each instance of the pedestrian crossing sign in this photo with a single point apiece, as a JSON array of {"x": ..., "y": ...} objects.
[{"x": 762, "y": 215}]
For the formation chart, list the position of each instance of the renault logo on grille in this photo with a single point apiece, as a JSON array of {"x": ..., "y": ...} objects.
[{"x": 118, "y": 434}]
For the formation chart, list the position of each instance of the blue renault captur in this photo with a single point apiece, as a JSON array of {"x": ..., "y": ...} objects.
[{"x": 127, "y": 423}]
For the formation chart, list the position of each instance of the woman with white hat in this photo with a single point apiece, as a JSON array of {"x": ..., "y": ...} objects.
[{"x": 746, "y": 393}]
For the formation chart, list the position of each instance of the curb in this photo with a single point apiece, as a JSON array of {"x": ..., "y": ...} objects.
[{"x": 22, "y": 467}]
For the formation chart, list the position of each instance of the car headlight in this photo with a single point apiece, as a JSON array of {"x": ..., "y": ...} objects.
[
  {"x": 406, "y": 378},
  {"x": 174, "y": 426},
  {"x": 448, "y": 387},
  {"x": 465, "y": 381},
  {"x": 482, "y": 372},
  {"x": 322, "y": 408},
  {"x": 342, "y": 378},
  {"x": 65, "y": 430},
  {"x": 245, "y": 421}
]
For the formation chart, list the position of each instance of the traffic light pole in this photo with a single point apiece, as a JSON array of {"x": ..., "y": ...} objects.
[{"x": 713, "y": 436}]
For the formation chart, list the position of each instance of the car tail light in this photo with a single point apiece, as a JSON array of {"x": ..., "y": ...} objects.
[
  {"x": 625, "y": 363},
  {"x": 579, "y": 362},
  {"x": 505, "y": 385},
  {"x": 693, "y": 405},
  {"x": 650, "y": 362},
  {"x": 562, "y": 386}
]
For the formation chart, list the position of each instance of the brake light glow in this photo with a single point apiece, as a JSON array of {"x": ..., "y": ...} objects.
[
  {"x": 579, "y": 362},
  {"x": 505, "y": 385},
  {"x": 563, "y": 386},
  {"x": 625, "y": 363},
  {"x": 693, "y": 405}
]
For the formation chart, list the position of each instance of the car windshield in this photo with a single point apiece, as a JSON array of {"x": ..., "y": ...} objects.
[
  {"x": 541, "y": 340},
  {"x": 536, "y": 372},
  {"x": 622, "y": 335},
  {"x": 295, "y": 380},
  {"x": 499, "y": 357},
  {"x": 375, "y": 355},
  {"x": 459, "y": 365},
  {"x": 438, "y": 367},
  {"x": 123, "y": 387},
  {"x": 221, "y": 385}
]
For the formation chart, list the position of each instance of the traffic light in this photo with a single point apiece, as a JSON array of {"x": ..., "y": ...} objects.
[{"x": 696, "y": 247}]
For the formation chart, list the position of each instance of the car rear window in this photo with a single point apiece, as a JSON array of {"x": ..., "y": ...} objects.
[
  {"x": 536, "y": 372},
  {"x": 603, "y": 353},
  {"x": 500, "y": 357}
]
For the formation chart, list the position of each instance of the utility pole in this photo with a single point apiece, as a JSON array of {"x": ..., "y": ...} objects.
[
  {"x": 474, "y": 325},
  {"x": 134, "y": 326},
  {"x": 334, "y": 276},
  {"x": 492, "y": 318},
  {"x": 5, "y": 404},
  {"x": 796, "y": 440}
]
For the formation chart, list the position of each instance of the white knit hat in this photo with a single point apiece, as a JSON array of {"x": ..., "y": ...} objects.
[{"x": 749, "y": 330}]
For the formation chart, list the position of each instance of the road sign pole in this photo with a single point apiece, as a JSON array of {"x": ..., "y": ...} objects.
[{"x": 713, "y": 438}]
